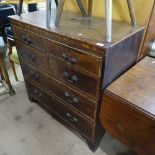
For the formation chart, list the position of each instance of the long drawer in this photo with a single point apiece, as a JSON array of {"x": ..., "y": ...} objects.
[
  {"x": 79, "y": 123},
  {"x": 87, "y": 84},
  {"x": 74, "y": 57},
  {"x": 68, "y": 95},
  {"x": 29, "y": 38}
]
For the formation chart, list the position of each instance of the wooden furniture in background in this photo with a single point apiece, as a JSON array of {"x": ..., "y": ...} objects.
[
  {"x": 128, "y": 105},
  {"x": 66, "y": 68},
  {"x": 13, "y": 56},
  {"x": 20, "y": 2},
  {"x": 128, "y": 108},
  {"x": 4, "y": 73}
]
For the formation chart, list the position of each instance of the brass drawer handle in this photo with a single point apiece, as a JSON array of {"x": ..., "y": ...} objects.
[
  {"x": 70, "y": 78},
  {"x": 34, "y": 76},
  {"x": 71, "y": 99},
  {"x": 71, "y": 118},
  {"x": 29, "y": 41},
  {"x": 71, "y": 60}
]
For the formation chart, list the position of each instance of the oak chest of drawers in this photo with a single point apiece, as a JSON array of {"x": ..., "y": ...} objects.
[
  {"x": 66, "y": 68},
  {"x": 128, "y": 109}
]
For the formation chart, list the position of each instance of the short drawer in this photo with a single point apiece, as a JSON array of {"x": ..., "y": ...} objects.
[
  {"x": 123, "y": 121},
  {"x": 30, "y": 38},
  {"x": 68, "y": 95},
  {"x": 74, "y": 57},
  {"x": 79, "y": 123},
  {"x": 32, "y": 55},
  {"x": 86, "y": 83}
]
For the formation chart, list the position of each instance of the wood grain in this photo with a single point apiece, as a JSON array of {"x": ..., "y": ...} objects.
[
  {"x": 128, "y": 108},
  {"x": 73, "y": 58}
]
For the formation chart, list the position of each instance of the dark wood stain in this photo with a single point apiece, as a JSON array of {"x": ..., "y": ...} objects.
[
  {"x": 148, "y": 37},
  {"x": 128, "y": 109},
  {"x": 66, "y": 68}
]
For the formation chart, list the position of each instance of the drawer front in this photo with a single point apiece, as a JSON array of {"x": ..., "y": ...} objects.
[
  {"x": 76, "y": 79},
  {"x": 63, "y": 92},
  {"x": 73, "y": 57},
  {"x": 124, "y": 122},
  {"x": 33, "y": 56},
  {"x": 60, "y": 70},
  {"x": 29, "y": 38},
  {"x": 82, "y": 125}
]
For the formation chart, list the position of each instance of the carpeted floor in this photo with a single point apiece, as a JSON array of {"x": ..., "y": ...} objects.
[{"x": 26, "y": 129}]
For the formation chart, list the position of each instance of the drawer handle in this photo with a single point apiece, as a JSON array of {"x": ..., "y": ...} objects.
[
  {"x": 32, "y": 57},
  {"x": 73, "y": 119},
  {"x": 29, "y": 41},
  {"x": 34, "y": 76},
  {"x": 72, "y": 60},
  {"x": 37, "y": 93},
  {"x": 70, "y": 78},
  {"x": 24, "y": 38},
  {"x": 71, "y": 99}
]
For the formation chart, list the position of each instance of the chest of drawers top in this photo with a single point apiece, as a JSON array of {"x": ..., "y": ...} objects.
[{"x": 83, "y": 33}]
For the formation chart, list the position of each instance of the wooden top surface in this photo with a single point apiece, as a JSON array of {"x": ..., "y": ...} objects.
[
  {"x": 89, "y": 30},
  {"x": 137, "y": 86}
]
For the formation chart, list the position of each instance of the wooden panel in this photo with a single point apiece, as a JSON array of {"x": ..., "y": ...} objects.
[
  {"x": 32, "y": 55},
  {"x": 122, "y": 121},
  {"x": 73, "y": 119},
  {"x": 74, "y": 78},
  {"x": 20, "y": 34},
  {"x": 29, "y": 38},
  {"x": 74, "y": 57},
  {"x": 70, "y": 96},
  {"x": 82, "y": 31},
  {"x": 137, "y": 86},
  {"x": 128, "y": 108},
  {"x": 127, "y": 124}
]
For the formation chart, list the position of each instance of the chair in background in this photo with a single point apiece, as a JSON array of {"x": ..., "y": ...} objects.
[
  {"x": 13, "y": 56},
  {"x": 32, "y": 5},
  {"x": 3, "y": 71},
  {"x": 6, "y": 32}
]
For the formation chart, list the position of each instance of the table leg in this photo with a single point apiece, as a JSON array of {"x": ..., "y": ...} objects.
[
  {"x": 48, "y": 12},
  {"x": 132, "y": 12},
  {"x": 4, "y": 70},
  {"x": 59, "y": 12},
  {"x": 90, "y": 5},
  {"x": 81, "y": 8},
  {"x": 108, "y": 20},
  {"x": 20, "y": 6}
]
